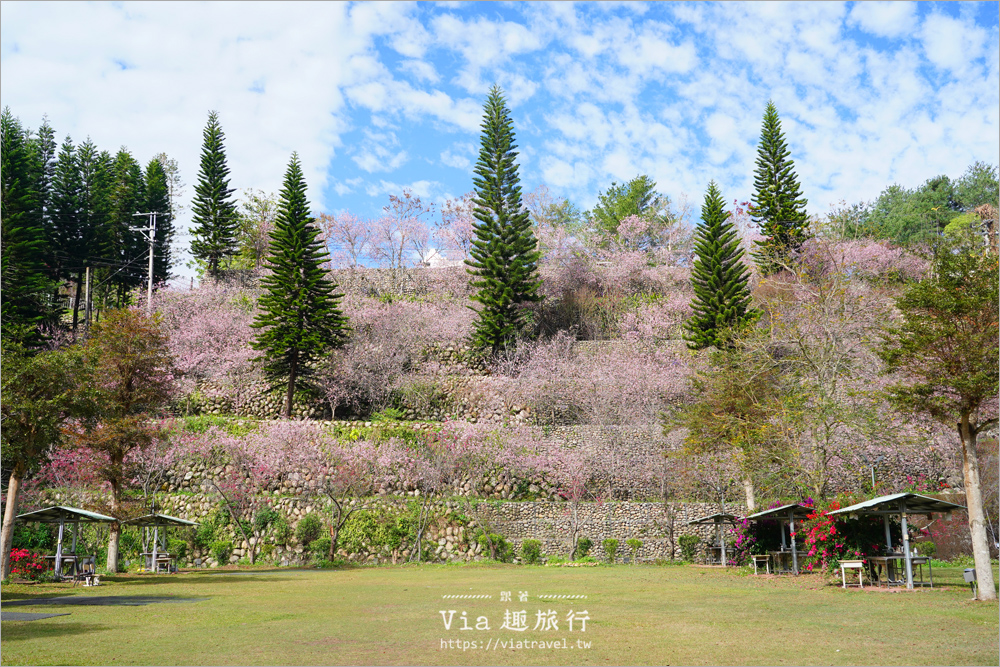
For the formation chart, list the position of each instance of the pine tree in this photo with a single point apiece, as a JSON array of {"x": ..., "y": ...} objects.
[
  {"x": 25, "y": 288},
  {"x": 129, "y": 249},
  {"x": 95, "y": 210},
  {"x": 44, "y": 147},
  {"x": 777, "y": 204},
  {"x": 721, "y": 301},
  {"x": 66, "y": 215},
  {"x": 215, "y": 218},
  {"x": 300, "y": 316},
  {"x": 504, "y": 255},
  {"x": 158, "y": 200}
]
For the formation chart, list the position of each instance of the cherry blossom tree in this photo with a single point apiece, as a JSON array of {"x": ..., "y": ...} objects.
[
  {"x": 348, "y": 236},
  {"x": 455, "y": 231}
]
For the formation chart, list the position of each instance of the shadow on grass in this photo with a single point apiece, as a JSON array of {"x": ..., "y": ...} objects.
[{"x": 21, "y": 630}]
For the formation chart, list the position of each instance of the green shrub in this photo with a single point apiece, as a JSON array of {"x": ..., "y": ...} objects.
[
  {"x": 926, "y": 548},
  {"x": 498, "y": 547},
  {"x": 610, "y": 548},
  {"x": 388, "y": 415},
  {"x": 688, "y": 544},
  {"x": 309, "y": 529},
  {"x": 320, "y": 547},
  {"x": 531, "y": 551},
  {"x": 265, "y": 552},
  {"x": 33, "y": 536},
  {"x": 177, "y": 548},
  {"x": 634, "y": 545},
  {"x": 222, "y": 550},
  {"x": 282, "y": 531},
  {"x": 265, "y": 517},
  {"x": 204, "y": 534},
  {"x": 583, "y": 546}
]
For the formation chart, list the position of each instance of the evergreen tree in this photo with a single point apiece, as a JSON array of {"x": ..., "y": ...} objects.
[
  {"x": 158, "y": 200},
  {"x": 504, "y": 255},
  {"x": 215, "y": 218},
  {"x": 67, "y": 187},
  {"x": 25, "y": 288},
  {"x": 44, "y": 147},
  {"x": 721, "y": 301},
  {"x": 777, "y": 204},
  {"x": 129, "y": 249},
  {"x": 300, "y": 316},
  {"x": 95, "y": 210}
]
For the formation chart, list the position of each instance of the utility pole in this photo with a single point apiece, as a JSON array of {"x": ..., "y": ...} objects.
[{"x": 150, "y": 233}]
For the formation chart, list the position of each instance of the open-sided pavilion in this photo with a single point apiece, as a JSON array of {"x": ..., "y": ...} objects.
[
  {"x": 717, "y": 520},
  {"x": 61, "y": 514},
  {"x": 783, "y": 514},
  {"x": 898, "y": 504},
  {"x": 157, "y": 521}
]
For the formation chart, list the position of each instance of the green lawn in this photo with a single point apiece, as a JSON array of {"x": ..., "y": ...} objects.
[{"x": 390, "y": 615}]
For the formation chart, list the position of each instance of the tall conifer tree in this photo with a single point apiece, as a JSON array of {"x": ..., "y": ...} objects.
[
  {"x": 721, "y": 301},
  {"x": 777, "y": 204},
  {"x": 129, "y": 249},
  {"x": 504, "y": 255},
  {"x": 300, "y": 316},
  {"x": 215, "y": 219},
  {"x": 158, "y": 200},
  {"x": 25, "y": 288}
]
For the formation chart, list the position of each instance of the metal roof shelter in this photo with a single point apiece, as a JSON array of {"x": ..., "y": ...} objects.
[
  {"x": 62, "y": 515},
  {"x": 156, "y": 521},
  {"x": 787, "y": 513},
  {"x": 717, "y": 520},
  {"x": 901, "y": 504}
]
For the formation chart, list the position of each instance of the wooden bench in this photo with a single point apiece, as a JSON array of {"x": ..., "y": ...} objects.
[{"x": 846, "y": 565}]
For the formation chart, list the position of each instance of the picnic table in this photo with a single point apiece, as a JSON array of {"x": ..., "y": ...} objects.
[
  {"x": 62, "y": 515},
  {"x": 900, "y": 504},
  {"x": 785, "y": 515},
  {"x": 158, "y": 557}
]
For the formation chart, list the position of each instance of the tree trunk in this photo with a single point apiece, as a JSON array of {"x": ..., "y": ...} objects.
[
  {"x": 751, "y": 498},
  {"x": 7, "y": 535},
  {"x": 76, "y": 301},
  {"x": 974, "y": 503},
  {"x": 115, "y": 533},
  {"x": 291, "y": 386}
]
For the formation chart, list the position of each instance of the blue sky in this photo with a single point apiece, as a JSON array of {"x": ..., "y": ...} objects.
[{"x": 377, "y": 97}]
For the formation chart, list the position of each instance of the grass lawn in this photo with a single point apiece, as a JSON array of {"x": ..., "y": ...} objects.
[{"x": 390, "y": 615}]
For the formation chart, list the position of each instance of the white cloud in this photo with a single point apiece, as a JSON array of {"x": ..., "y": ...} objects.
[
  {"x": 951, "y": 43},
  {"x": 885, "y": 19}
]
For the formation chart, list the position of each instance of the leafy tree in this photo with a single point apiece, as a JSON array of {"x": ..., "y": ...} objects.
[
  {"x": 637, "y": 198},
  {"x": 130, "y": 378},
  {"x": 158, "y": 200},
  {"x": 215, "y": 218},
  {"x": 26, "y": 287},
  {"x": 733, "y": 401},
  {"x": 504, "y": 256},
  {"x": 777, "y": 203},
  {"x": 946, "y": 350},
  {"x": 977, "y": 186},
  {"x": 256, "y": 220},
  {"x": 300, "y": 316},
  {"x": 38, "y": 399},
  {"x": 721, "y": 295}
]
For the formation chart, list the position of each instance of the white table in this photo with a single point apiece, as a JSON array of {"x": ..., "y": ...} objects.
[{"x": 846, "y": 565}]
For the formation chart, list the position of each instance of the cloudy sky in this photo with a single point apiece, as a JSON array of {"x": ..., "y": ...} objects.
[{"x": 378, "y": 97}]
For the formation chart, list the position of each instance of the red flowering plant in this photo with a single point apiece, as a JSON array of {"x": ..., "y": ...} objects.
[
  {"x": 825, "y": 546},
  {"x": 830, "y": 539},
  {"x": 25, "y": 564}
]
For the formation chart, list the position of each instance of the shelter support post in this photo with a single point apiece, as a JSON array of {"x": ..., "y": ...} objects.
[
  {"x": 59, "y": 543},
  {"x": 791, "y": 536},
  {"x": 888, "y": 536},
  {"x": 76, "y": 533},
  {"x": 156, "y": 544},
  {"x": 907, "y": 556}
]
